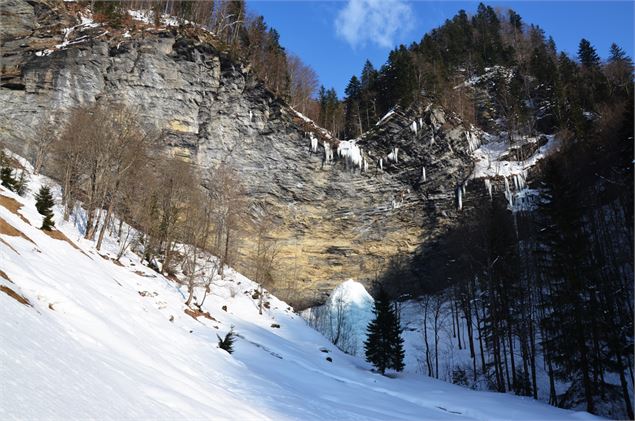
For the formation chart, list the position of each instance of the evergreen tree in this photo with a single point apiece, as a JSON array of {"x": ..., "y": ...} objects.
[
  {"x": 353, "y": 123},
  {"x": 368, "y": 96},
  {"x": 593, "y": 87},
  {"x": 587, "y": 55},
  {"x": 7, "y": 179},
  {"x": 44, "y": 205},
  {"x": 619, "y": 71},
  {"x": 617, "y": 54},
  {"x": 227, "y": 343},
  {"x": 398, "y": 81},
  {"x": 384, "y": 345}
]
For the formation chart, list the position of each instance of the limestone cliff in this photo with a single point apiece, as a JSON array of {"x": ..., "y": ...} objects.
[{"x": 381, "y": 196}]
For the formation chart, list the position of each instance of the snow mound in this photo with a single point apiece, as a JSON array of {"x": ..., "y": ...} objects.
[
  {"x": 354, "y": 294},
  {"x": 344, "y": 318}
]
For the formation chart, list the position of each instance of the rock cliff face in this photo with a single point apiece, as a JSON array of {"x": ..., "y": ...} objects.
[{"x": 341, "y": 219}]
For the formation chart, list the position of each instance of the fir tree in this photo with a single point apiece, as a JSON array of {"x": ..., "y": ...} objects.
[
  {"x": 227, "y": 343},
  {"x": 384, "y": 345},
  {"x": 368, "y": 96},
  {"x": 353, "y": 123},
  {"x": 44, "y": 205},
  {"x": 7, "y": 179},
  {"x": 587, "y": 55},
  {"x": 617, "y": 54}
]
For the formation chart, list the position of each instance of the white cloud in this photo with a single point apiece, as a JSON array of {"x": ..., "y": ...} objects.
[{"x": 374, "y": 21}]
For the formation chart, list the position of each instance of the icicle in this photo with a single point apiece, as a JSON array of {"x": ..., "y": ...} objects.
[
  {"x": 423, "y": 174},
  {"x": 328, "y": 152},
  {"x": 365, "y": 165},
  {"x": 251, "y": 116},
  {"x": 459, "y": 197},
  {"x": 473, "y": 142},
  {"x": 432, "y": 140},
  {"x": 349, "y": 150},
  {"x": 509, "y": 195},
  {"x": 381, "y": 164},
  {"x": 394, "y": 155},
  {"x": 488, "y": 186},
  {"x": 413, "y": 127},
  {"x": 314, "y": 143}
]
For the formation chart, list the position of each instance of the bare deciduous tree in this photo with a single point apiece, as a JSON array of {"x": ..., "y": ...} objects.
[{"x": 229, "y": 211}]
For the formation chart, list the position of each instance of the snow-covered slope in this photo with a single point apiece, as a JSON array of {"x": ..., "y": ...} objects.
[{"x": 84, "y": 337}]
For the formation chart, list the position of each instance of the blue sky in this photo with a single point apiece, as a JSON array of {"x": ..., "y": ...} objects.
[{"x": 336, "y": 37}]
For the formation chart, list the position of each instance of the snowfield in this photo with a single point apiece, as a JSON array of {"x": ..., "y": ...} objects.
[{"x": 84, "y": 337}]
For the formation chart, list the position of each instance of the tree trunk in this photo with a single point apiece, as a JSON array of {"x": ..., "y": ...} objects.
[
  {"x": 190, "y": 288},
  {"x": 105, "y": 224}
]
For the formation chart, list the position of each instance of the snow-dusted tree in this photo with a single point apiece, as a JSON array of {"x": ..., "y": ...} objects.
[{"x": 384, "y": 345}]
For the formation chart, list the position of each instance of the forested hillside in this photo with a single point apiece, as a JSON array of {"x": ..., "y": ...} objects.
[{"x": 550, "y": 284}]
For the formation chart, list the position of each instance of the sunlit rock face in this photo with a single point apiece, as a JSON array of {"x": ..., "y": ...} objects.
[{"x": 380, "y": 197}]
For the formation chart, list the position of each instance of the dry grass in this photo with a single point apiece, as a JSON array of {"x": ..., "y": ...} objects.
[
  {"x": 12, "y": 205},
  {"x": 140, "y": 273},
  {"x": 10, "y": 230},
  {"x": 11, "y": 293},
  {"x": 59, "y": 235},
  {"x": 5, "y": 276},
  {"x": 197, "y": 313},
  {"x": 9, "y": 245}
]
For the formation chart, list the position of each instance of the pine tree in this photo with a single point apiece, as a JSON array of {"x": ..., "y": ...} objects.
[
  {"x": 227, "y": 343},
  {"x": 368, "y": 96},
  {"x": 353, "y": 123},
  {"x": 587, "y": 55},
  {"x": 619, "y": 71},
  {"x": 384, "y": 345},
  {"x": 617, "y": 54},
  {"x": 44, "y": 205},
  {"x": 7, "y": 179},
  {"x": 593, "y": 88}
]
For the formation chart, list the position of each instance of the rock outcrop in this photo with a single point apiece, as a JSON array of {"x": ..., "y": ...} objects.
[{"x": 338, "y": 220}]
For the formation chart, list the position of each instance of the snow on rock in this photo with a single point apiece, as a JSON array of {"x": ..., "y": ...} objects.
[
  {"x": 386, "y": 117},
  {"x": 86, "y": 337},
  {"x": 492, "y": 161},
  {"x": 86, "y": 22}
]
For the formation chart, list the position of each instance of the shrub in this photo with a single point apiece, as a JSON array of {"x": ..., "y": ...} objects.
[{"x": 227, "y": 343}]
